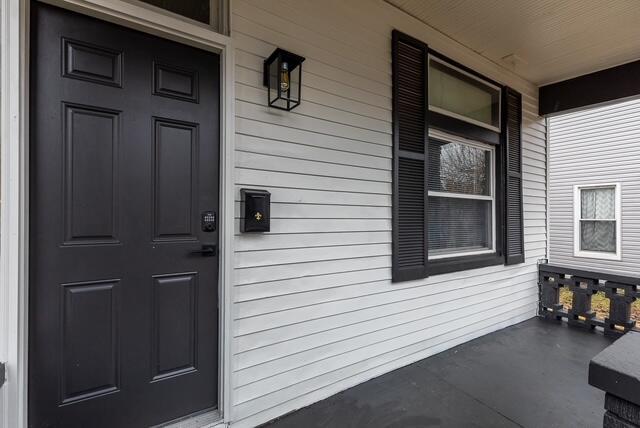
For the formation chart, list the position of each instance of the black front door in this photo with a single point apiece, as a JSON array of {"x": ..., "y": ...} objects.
[{"x": 123, "y": 192}]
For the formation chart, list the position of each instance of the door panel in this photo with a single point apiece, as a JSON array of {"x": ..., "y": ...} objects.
[
  {"x": 92, "y": 63},
  {"x": 124, "y": 160},
  {"x": 175, "y": 82},
  {"x": 90, "y": 310},
  {"x": 91, "y": 139},
  {"x": 174, "y": 325},
  {"x": 176, "y": 179}
]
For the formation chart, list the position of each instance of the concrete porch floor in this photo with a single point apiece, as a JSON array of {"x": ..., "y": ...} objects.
[{"x": 533, "y": 374}]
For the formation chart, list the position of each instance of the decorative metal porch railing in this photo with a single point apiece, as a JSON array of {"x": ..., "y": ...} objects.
[{"x": 622, "y": 292}]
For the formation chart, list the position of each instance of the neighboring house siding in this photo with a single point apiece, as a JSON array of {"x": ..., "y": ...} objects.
[
  {"x": 315, "y": 311},
  {"x": 596, "y": 146}
]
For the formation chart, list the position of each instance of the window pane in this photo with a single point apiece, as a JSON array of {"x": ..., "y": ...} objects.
[
  {"x": 461, "y": 94},
  {"x": 458, "y": 225},
  {"x": 198, "y": 10},
  {"x": 459, "y": 168},
  {"x": 598, "y": 203},
  {"x": 598, "y": 236}
]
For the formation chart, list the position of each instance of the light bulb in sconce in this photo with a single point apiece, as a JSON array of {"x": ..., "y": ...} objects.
[{"x": 284, "y": 77}]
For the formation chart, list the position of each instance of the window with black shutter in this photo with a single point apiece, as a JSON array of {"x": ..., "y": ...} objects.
[
  {"x": 514, "y": 246},
  {"x": 409, "y": 157},
  {"x": 457, "y": 179}
]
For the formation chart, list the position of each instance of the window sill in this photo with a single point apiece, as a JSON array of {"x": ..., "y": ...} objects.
[
  {"x": 598, "y": 255},
  {"x": 456, "y": 264}
]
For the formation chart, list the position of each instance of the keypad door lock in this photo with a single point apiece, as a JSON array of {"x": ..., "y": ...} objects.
[{"x": 208, "y": 221}]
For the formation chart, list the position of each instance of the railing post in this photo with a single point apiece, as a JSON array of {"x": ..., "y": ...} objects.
[
  {"x": 580, "y": 314},
  {"x": 550, "y": 306},
  {"x": 621, "y": 297}
]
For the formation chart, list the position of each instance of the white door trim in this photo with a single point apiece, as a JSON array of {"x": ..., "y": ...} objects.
[{"x": 14, "y": 170}]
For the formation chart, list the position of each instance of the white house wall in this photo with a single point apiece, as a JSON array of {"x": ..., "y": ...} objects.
[
  {"x": 596, "y": 146},
  {"x": 314, "y": 310}
]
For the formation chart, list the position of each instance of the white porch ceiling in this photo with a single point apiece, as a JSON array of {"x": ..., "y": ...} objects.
[{"x": 552, "y": 40}]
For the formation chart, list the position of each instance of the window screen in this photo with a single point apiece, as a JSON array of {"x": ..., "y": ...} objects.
[
  {"x": 458, "y": 225},
  {"x": 461, "y": 203},
  {"x": 459, "y": 168}
]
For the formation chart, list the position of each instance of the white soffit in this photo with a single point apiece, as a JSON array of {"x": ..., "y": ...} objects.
[{"x": 543, "y": 41}]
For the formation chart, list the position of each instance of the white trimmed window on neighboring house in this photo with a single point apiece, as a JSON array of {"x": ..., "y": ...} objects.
[{"x": 597, "y": 221}]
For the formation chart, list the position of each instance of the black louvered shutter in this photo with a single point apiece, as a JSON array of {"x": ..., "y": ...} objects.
[
  {"x": 514, "y": 222},
  {"x": 409, "y": 158}
]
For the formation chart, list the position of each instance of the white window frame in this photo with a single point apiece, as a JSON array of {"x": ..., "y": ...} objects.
[
  {"x": 443, "y": 136},
  {"x": 460, "y": 116},
  {"x": 14, "y": 173},
  {"x": 577, "y": 218}
]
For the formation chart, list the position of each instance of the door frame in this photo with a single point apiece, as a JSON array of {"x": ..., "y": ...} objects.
[{"x": 14, "y": 176}]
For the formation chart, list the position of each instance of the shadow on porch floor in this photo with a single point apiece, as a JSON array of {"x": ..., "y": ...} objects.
[{"x": 533, "y": 374}]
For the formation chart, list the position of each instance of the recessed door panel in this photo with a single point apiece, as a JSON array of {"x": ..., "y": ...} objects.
[
  {"x": 174, "y": 325},
  {"x": 176, "y": 168},
  {"x": 89, "y": 340},
  {"x": 123, "y": 317},
  {"x": 175, "y": 82},
  {"x": 91, "y": 143},
  {"x": 93, "y": 63}
]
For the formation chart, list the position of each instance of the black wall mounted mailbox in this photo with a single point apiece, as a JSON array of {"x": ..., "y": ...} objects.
[{"x": 256, "y": 210}]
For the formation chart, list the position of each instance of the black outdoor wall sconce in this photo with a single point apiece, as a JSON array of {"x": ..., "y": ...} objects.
[
  {"x": 283, "y": 79},
  {"x": 256, "y": 210}
]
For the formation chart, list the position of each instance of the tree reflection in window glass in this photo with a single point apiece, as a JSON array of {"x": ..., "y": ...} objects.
[
  {"x": 459, "y": 168},
  {"x": 460, "y": 198}
]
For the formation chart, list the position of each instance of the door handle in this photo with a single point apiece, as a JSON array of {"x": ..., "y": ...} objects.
[{"x": 207, "y": 250}]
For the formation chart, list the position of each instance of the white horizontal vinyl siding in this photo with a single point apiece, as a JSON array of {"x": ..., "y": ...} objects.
[
  {"x": 315, "y": 311},
  {"x": 596, "y": 146}
]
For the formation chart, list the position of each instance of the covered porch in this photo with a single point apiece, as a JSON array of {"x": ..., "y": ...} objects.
[
  {"x": 533, "y": 374},
  {"x": 344, "y": 311},
  {"x": 554, "y": 370}
]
